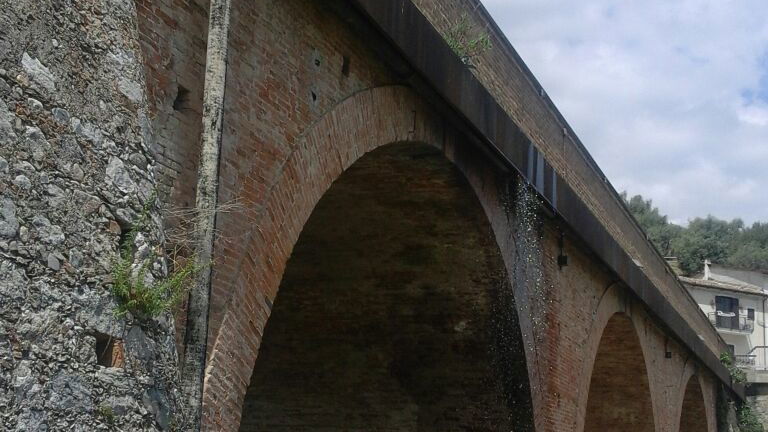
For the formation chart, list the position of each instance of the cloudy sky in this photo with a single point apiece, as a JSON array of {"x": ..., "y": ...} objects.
[{"x": 669, "y": 96}]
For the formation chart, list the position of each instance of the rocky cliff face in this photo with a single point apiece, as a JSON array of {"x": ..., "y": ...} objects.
[{"x": 75, "y": 173}]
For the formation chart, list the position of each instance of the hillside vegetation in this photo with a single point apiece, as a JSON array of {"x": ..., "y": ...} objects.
[{"x": 724, "y": 242}]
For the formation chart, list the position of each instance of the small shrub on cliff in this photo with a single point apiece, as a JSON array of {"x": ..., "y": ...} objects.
[
  {"x": 106, "y": 413},
  {"x": 135, "y": 289}
]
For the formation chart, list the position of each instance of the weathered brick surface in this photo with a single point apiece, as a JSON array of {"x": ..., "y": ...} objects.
[
  {"x": 693, "y": 414},
  {"x": 305, "y": 99},
  {"x": 307, "y": 174},
  {"x": 561, "y": 317},
  {"x": 618, "y": 399},
  {"x": 392, "y": 312},
  {"x": 173, "y": 41},
  {"x": 272, "y": 77},
  {"x": 584, "y": 299},
  {"x": 502, "y": 75},
  {"x": 172, "y": 36}
]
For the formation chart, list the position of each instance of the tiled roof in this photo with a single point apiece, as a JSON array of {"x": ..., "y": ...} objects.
[{"x": 743, "y": 288}]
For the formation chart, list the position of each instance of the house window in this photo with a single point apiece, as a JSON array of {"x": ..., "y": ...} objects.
[
  {"x": 732, "y": 350},
  {"x": 751, "y": 314},
  {"x": 727, "y": 309}
]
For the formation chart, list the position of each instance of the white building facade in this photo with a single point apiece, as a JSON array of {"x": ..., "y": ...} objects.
[{"x": 737, "y": 309}]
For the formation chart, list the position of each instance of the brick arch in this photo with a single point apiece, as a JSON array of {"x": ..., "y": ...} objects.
[
  {"x": 391, "y": 310},
  {"x": 694, "y": 414},
  {"x": 363, "y": 122},
  {"x": 619, "y": 395},
  {"x": 615, "y": 312}
]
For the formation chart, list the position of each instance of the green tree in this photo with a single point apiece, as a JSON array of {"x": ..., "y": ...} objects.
[
  {"x": 757, "y": 233},
  {"x": 749, "y": 256},
  {"x": 659, "y": 230},
  {"x": 710, "y": 238},
  {"x": 750, "y": 248},
  {"x": 705, "y": 238}
]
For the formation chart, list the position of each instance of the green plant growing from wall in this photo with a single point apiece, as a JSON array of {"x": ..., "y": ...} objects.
[
  {"x": 106, "y": 413},
  {"x": 466, "y": 41},
  {"x": 748, "y": 421},
  {"x": 737, "y": 375},
  {"x": 135, "y": 290}
]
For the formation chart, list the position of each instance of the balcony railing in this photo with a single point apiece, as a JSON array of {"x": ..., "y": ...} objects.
[
  {"x": 746, "y": 360},
  {"x": 755, "y": 359},
  {"x": 733, "y": 323}
]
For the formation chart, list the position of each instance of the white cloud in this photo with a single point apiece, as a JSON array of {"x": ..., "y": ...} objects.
[
  {"x": 668, "y": 96},
  {"x": 754, "y": 115}
]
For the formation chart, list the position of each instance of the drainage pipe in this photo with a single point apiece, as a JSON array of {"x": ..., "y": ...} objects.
[{"x": 193, "y": 367}]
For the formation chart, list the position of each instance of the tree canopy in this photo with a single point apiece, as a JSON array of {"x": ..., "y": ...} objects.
[{"x": 720, "y": 241}]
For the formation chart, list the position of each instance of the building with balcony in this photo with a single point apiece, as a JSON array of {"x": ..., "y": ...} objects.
[{"x": 736, "y": 307}]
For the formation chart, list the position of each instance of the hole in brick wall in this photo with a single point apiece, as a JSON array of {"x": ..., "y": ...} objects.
[
  {"x": 314, "y": 96},
  {"x": 345, "y": 66},
  {"x": 109, "y": 351},
  {"x": 182, "y": 99}
]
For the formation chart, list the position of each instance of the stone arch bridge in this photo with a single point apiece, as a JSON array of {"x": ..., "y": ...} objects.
[{"x": 417, "y": 243}]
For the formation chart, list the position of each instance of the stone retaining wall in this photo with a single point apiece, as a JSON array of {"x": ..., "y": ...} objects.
[{"x": 75, "y": 171}]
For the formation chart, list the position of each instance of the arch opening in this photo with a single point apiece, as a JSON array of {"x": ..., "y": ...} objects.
[
  {"x": 619, "y": 394},
  {"x": 693, "y": 414},
  {"x": 393, "y": 313}
]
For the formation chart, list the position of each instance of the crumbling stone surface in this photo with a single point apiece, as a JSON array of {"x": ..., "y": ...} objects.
[{"x": 75, "y": 173}]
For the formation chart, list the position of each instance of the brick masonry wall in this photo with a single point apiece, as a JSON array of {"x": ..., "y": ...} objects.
[
  {"x": 305, "y": 99},
  {"x": 173, "y": 39},
  {"x": 693, "y": 415},
  {"x": 618, "y": 399},
  {"x": 393, "y": 311},
  {"x": 582, "y": 300},
  {"x": 562, "y": 315},
  {"x": 286, "y": 69}
]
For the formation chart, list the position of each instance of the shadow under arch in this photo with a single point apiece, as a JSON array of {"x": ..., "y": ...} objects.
[
  {"x": 693, "y": 413},
  {"x": 619, "y": 396},
  {"x": 393, "y": 310}
]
